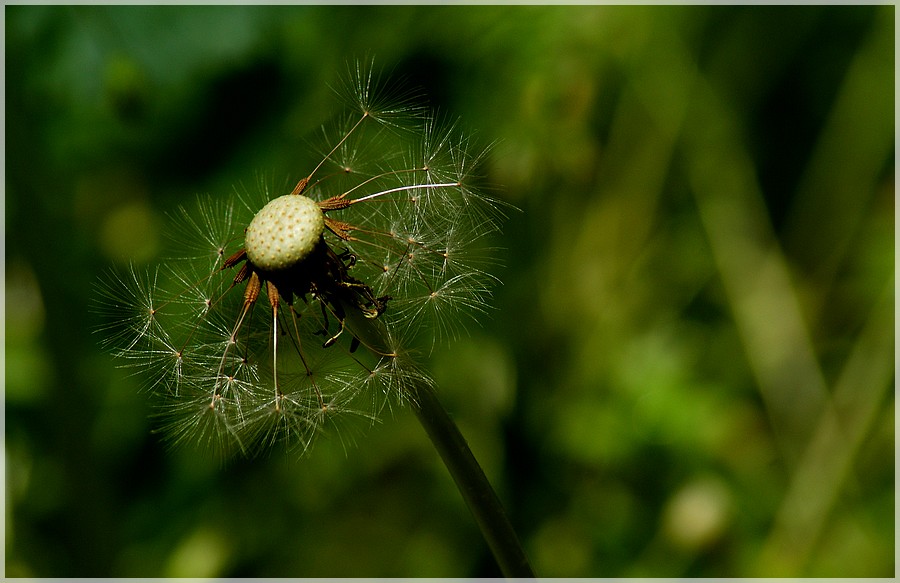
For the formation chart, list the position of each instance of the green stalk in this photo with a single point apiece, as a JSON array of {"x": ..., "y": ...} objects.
[{"x": 472, "y": 484}]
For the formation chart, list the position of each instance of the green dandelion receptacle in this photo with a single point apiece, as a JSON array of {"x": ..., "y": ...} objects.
[{"x": 284, "y": 232}]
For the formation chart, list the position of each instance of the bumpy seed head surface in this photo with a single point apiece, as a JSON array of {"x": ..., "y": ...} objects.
[{"x": 284, "y": 232}]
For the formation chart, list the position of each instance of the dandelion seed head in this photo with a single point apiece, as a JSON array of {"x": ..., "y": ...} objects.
[{"x": 278, "y": 316}]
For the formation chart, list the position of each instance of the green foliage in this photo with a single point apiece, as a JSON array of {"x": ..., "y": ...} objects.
[{"x": 689, "y": 370}]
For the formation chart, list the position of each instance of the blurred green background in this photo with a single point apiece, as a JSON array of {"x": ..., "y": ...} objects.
[{"x": 690, "y": 369}]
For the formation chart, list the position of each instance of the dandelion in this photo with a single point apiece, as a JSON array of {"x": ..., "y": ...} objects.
[{"x": 284, "y": 312}]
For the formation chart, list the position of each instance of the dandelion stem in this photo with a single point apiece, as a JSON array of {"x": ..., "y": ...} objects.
[
  {"x": 465, "y": 470},
  {"x": 472, "y": 484}
]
